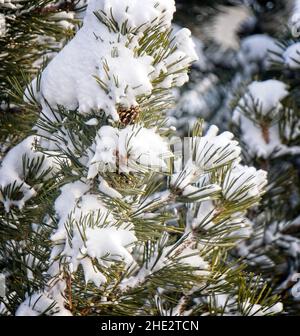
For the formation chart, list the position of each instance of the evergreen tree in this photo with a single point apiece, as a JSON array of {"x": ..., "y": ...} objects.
[
  {"x": 31, "y": 32},
  {"x": 253, "y": 89},
  {"x": 269, "y": 109},
  {"x": 98, "y": 214}
]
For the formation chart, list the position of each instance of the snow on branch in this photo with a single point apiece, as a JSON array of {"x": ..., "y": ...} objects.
[{"x": 122, "y": 52}]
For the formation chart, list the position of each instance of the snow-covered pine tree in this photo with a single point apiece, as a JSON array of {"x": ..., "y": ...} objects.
[
  {"x": 268, "y": 109},
  {"x": 31, "y": 32},
  {"x": 222, "y": 31},
  {"x": 100, "y": 211},
  {"x": 256, "y": 83}
]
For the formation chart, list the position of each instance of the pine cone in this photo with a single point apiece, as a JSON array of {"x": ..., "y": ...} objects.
[{"x": 128, "y": 116}]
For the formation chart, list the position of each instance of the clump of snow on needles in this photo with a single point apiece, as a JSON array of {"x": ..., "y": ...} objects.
[
  {"x": 134, "y": 148},
  {"x": 100, "y": 68},
  {"x": 264, "y": 96},
  {"x": 262, "y": 99},
  {"x": 259, "y": 48},
  {"x": 292, "y": 56},
  {"x": 104, "y": 241}
]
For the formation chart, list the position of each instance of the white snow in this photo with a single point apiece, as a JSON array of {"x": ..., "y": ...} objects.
[
  {"x": 103, "y": 153},
  {"x": 252, "y": 135},
  {"x": 258, "y": 310},
  {"x": 36, "y": 305},
  {"x": 40, "y": 303},
  {"x": 193, "y": 102},
  {"x": 184, "y": 254},
  {"x": 95, "y": 70},
  {"x": 292, "y": 56},
  {"x": 204, "y": 215},
  {"x": 215, "y": 150},
  {"x": 226, "y": 25},
  {"x": 140, "y": 148},
  {"x": 11, "y": 4},
  {"x": 191, "y": 257},
  {"x": 82, "y": 214},
  {"x": 201, "y": 62},
  {"x": 107, "y": 190},
  {"x": 205, "y": 192},
  {"x": 99, "y": 55},
  {"x": 109, "y": 242},
  {"x": 258, "y": 48},
  {"x": 135, "y": 12},
  {"x": 12, "y": 171},
  {"x": 264, "y": 96},
  {"x": 242, "y": 183},
  {"x": 65, "y": 203},
  {"x": 2, "y": 25},
  {"x": 204, "y": 154},
  {"x": 92, "y": 122},
  {"x": 102, "y": 69},
  {"x": 134, "y": 148},
  {"x": 294, "y": 21}
]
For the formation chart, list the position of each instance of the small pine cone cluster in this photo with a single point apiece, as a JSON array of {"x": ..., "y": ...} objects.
[{"x": 128, "y": 116}]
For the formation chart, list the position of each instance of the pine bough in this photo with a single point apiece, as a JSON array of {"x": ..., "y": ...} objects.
[{"x": 102, "y": 217}]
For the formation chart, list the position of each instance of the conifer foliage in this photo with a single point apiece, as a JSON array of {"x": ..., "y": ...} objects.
[
  {"x": 251, "y": 87},
  {"x": 101, "y": 213},
  {"x": 31, "y": 32}
]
